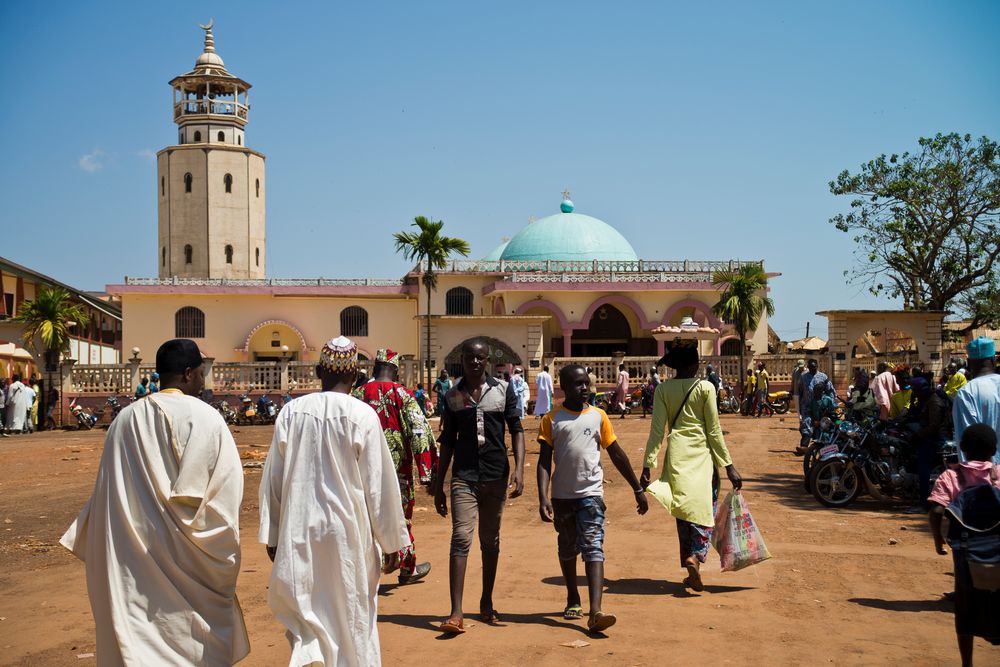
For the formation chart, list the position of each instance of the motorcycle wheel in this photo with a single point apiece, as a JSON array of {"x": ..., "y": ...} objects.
[
  {"x": 781, "y": 407},
  {"x": 835, "y": 484}
]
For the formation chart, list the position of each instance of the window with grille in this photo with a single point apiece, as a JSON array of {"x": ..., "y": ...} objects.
[
  {"x": 228, "y": 180},
  {"x": 189, "y": 322},
  {"x": 354, "y": 321},
  {"x": 458, "y": 301}
]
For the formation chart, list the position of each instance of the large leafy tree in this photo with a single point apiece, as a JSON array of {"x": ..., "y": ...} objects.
[
  {"x": 927, "y": 225},
  {"x": 743, "y": 301},
  {"x": 431, "y": 250},
  {"x": 47, "y": 321}
]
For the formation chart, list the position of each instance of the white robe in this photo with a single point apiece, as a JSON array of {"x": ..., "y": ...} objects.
[
  {"x": 17, "y": 406},
  {"x": 160, "y": 538},
  {"x": 543, "y": 393},
  {"x": 330, "y": 503}
]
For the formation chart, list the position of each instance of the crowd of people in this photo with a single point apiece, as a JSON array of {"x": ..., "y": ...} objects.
[
  {"x": 160, "y": 534},
  {"x": 19, "y": 404}
]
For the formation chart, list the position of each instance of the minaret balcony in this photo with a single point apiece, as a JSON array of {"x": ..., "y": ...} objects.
[{"x": 228, "y": 109}]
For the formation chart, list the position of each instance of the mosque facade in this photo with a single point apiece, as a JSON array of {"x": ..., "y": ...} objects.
[{"x": 566, "y": 285}]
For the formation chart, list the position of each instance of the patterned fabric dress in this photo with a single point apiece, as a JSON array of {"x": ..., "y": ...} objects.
[{"x": 410, "y": 441}]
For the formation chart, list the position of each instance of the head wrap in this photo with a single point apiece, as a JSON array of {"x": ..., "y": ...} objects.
[
  {"x": 339, "y": 355},
  {"x": 387, "y": 356},
  {"x": 680, "y": 356},
  {"x": 177, "y": 355},
  {"x": 982, "y": 347}
]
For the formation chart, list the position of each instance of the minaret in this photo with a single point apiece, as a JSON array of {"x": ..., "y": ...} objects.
[{"x": 210, "y": 186}]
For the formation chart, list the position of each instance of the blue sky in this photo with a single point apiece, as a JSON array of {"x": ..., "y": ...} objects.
[{"x": 699, "y": 130}]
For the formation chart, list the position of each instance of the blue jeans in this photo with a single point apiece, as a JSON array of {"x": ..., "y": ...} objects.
[{"x": 579, "y": 522}]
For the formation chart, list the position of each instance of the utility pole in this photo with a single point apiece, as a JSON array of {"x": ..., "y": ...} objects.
[{"x": 807, "y": 329}]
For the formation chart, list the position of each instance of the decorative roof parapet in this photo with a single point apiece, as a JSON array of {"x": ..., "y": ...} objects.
[
  {"x": 267, "y": 282},
  {"x": 685, "y": 266}
]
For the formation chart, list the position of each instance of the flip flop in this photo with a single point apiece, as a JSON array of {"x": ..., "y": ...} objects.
[
  {"x": 694, "y": 578},
  {"x": 490, "y": 617},
  {"x": 599, "y": 621},
  {"x": 452, "y": 627},
  {"x": 573, "y": 612}
]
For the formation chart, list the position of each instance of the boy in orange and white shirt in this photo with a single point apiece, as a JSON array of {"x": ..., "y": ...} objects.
[{"x": 574, "y": 436}]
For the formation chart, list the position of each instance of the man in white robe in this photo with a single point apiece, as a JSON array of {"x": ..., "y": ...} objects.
[
  {"x": 17, "y": 405},
  {"x": 329, "y": 508},
  {"x": 543, "y": 392},
  {"x": 160, "y": 534}
]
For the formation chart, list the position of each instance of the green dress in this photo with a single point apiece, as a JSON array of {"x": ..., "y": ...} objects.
[{"x": 695, "y": 448}]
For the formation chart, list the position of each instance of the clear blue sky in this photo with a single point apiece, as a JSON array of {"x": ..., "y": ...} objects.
[{"x": 699, "y": 130}]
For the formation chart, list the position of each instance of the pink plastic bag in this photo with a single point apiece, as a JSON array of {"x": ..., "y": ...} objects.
[{"x": 736, "y": 536}]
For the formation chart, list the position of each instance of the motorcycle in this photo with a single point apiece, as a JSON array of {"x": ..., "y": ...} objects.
[
  {"x": 728, "y": 403},
  {"x": 116, "y": 405},
  {"x": 84, "y": 419},
  {"x": 882, "y": 462},
  {"x": 831, "y": 433},
  {"x": 247, "y": 413},
  {"x": 267, "y": 411},
  {"x": 606, "y": 401},
  {"x": 226, "y": 410},
  {"x": 780, "y": 401}
]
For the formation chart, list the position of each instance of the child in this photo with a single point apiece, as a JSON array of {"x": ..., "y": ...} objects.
[
  {"x": 421, "y": 397},
  {"x": 977, "y": 612},
  {"x": 574, "y": 436}
]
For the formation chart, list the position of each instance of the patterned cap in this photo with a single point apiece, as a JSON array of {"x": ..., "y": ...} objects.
[
  {"x": 339, "y": 355},
  {"x": 387, "y": 356},
  {"x": 981, "y": 348}
]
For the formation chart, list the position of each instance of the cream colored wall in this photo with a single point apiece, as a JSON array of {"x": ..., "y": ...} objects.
[
  {"x": 208, "y": 218},
  {"x": 149, "y": 321}
]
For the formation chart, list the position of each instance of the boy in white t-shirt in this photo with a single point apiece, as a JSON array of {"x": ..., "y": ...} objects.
[{"x": 574, "y": 435}]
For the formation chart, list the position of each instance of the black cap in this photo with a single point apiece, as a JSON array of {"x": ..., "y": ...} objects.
[{"x": 176, "y": 355}]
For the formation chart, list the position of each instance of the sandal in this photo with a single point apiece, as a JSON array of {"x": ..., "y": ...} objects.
[
  {"x": 599, "y": 621},
  {"x": 694, "y": 577},
  {"x": 573, "y": 612},
  {"x": 452, "y": 627},
  {"x": 490, "y": 617}
]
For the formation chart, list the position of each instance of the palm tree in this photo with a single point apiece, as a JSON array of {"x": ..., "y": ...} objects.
[
  {"x": 47, "y": 320},
  {"x": 741, "y": 303},
  {"x": 427, "y": 245}
]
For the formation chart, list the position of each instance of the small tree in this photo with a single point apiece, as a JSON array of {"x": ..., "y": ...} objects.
[
  {"x": 47, "y": 320},
  {"x": 741, "y": 302},
  {"x": 428, "y": 245},
  {"x": 927, "y": 225}
]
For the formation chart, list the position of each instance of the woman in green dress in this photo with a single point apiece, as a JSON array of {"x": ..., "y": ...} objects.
[{"x": 689, "y": 484}]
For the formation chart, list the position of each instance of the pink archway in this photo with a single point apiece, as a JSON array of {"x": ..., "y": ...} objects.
[
  {"x": 721, "y": 340},
  {"x": 615, "y": 300},
  {"x": 284, "y": 323},
  {"x": 699, "y": 306},
  {"x": 547, "y": 305}
]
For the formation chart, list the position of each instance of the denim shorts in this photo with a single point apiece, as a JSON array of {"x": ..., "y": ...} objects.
[{"x": 579, "y": 522}]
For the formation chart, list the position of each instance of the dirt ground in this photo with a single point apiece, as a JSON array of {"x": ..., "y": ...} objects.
[{"x": 853, "y": 587}]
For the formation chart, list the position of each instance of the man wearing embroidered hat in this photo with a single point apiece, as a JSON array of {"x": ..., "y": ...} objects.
[
  {"x": 978, "y": 401},
  {"x": 410, "y": 441},
  {"x": 160, "y": 535},
  {"x": 329, "y": 509}
]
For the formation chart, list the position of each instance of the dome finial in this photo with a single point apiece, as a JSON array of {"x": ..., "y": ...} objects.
[
  {"x": 209, "y": 37},
  {"x": 567, "y": 204}
]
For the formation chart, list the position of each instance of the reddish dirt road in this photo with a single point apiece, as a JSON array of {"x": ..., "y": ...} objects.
[{"x": 837, "y": 592}]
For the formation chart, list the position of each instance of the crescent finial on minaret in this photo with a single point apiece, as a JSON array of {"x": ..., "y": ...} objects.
[
  {"x": 211, "y": 22},
  {"x": 209, "y": 38}
]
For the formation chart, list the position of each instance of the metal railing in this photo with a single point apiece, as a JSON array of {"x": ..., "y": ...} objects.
[
  {"x": 266, "y": 282},
  {"x": 215, "y": 107},
  {"x": 599, "y": 266}
]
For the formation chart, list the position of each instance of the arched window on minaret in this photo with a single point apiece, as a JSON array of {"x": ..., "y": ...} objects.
[
  {"x": 228, "y": 180},
  {"x": 239, "y": 141},
  {"x": 163, "y": 185},
  {"x": 187, "y": 182},
  {"x": 163, "y": 261},
  {"x": 188, "y": 254},
  {"x": 197, "y": 136},
  {"x": 229, "y": 254},
  {"x": 222, "y": 135},
  {"x": 258, "y": 188},
  {"x": 257, "y": 256}
]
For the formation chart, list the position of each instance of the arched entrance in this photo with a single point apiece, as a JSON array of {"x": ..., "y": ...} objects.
[
  {"x": 608, "y": 332},
  {"x": 267, "y": 342},
  {"x": 501, "y": 355}
]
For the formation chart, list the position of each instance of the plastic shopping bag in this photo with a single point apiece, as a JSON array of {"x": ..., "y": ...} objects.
[{"x": 736, "y": 536}]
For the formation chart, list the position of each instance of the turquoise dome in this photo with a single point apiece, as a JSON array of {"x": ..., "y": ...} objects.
[
  {"x": 495, "y": 254},
  {"x": 569, "y": 236}
]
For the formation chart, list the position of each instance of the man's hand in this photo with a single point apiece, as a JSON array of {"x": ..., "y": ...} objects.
[
  {"x": 390, "y": 562},
  {"x": 272, "y": 552},
  {"x": 545, "y": 510},
  {"x": 734, "y": 477},
  {"x": 641, "y": 503},
  {"x": 516, "y": 485},
  {"x": 440, "y": 501},
  {"x": 644, "y": 479}
]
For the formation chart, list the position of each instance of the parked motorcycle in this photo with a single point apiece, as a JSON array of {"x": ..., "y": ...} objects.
[
  {"x": 728, "y": 403},
  {"x": 606, "y": 401},
  {"x": 780, "y": 401},
  {"x": 831, "y": 437},
  {"x": 267, "y": 411},
  {"x": 883, "y": 462},
  {"x": 116, "y": 404},
  {"x": 226, "y": 410},
  {"x": 247, "y": 413},
  {"x": 84, "y": 419}
]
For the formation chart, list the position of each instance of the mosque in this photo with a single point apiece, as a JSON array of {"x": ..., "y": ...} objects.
[{"x": 566, "y": 285}]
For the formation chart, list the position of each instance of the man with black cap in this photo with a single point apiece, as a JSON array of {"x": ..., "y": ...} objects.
[{"x": 160, "y": 535}]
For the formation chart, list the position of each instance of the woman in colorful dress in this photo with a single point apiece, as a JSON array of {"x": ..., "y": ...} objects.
[{"x": 689, "y": 483}]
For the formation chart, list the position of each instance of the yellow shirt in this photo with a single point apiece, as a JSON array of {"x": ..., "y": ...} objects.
[
  {"x": 899, "y": 402},
  {"x": 955, "y": 382}
]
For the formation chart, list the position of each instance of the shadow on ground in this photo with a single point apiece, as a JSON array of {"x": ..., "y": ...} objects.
[
  {"x": 905, "y": 605},
  {"x": 648, "y": 587},
  {"x": 472, "y": 622}
]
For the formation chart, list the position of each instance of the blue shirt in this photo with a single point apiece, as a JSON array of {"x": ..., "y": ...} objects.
[{"x": 978, "y": 402}]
